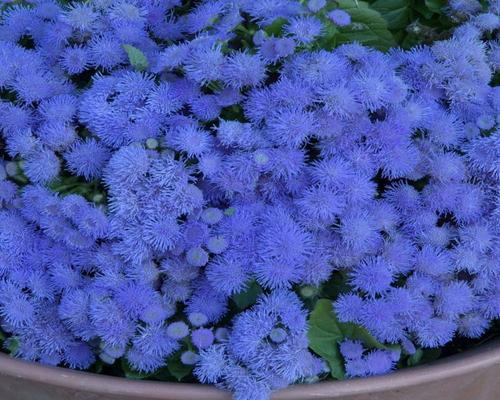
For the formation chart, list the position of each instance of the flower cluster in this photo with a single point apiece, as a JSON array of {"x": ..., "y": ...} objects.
[{"x": 135, "y": 203}]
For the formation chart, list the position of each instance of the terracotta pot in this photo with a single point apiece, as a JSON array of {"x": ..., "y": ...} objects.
[{"x": 472, "y": 375}]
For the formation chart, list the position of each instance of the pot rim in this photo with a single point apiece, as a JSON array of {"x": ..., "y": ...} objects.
[{"x": 480, "y": 358}]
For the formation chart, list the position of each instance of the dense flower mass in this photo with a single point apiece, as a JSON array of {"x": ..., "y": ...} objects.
[{"x": 155, "y": 173}]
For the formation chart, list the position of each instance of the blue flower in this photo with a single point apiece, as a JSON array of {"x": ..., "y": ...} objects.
[
  {"x": 205, "y": 64},
  {"x": 373, "y": 276},
  {"x": 339, "y": 17},
  {"x": 87, "y": 158},
  {"x": 42, "y": 166},
  {"x": 243, "y": 69},
  {"x": 304, "y": 29},
  {"x": 75, "y": 59}
]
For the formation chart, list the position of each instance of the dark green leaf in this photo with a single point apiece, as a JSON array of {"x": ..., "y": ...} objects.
[
  {"x": 436, "y": 6},
  {"x": 368, "y": 26},
  {"x": 423, "y": 10},
  {"x": 97, "y": 367},
  {"x": 178, "y": 369},
  {"x": 12, "y": 344},
  {"x": 136, "y": 57},
  {"x": 335, "y": 286},
  {"x": 423, "y": 356},
  {"x": 324, "y": 334},
  {"x": 130, "y": 373},
  {"x": 276, "y": 27},
  {"x": 247, "y": 297},
  {"x": 395, "y": 12}
]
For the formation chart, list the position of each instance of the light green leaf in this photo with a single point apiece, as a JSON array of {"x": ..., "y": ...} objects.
[
  {"x": 395, "y": 12},
  {"x": 368, "y": 26},
  {"x": 136, "y": 57}
]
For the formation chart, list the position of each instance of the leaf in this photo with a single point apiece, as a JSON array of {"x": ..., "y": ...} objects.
[
  {"x": 131, "y": 373},
  {"x": 136, "y": 57},
  {"x": 275, "y": 28},
  {"x": 178, "y": 369},
  {"x": 327, "y": 41},
  {"x": 395, "y": 12},
  {"x": 423, "y": 10},
  {"x": 423, "y": 356},
  {"x": 12, "y": 344},
  {"x": 356, "y": 332},
  {"x": 247, "y": 297},
  {"x": 436, "y": 6},
  {"x": 368, "y": 26},
  {"x": 324, "y": 334}
]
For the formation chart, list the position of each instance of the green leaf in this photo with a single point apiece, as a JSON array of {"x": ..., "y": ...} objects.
[
  {"x": 436, "y": 6},
  {"x": 324, "y": 334},
  {"x": 276, "y": 27},
  {"x": 247, "y": 297},
  {"x": 356, "y": 332},
  {"x": 12, "y": 344},
  {"x": 136, "y": 57},
  {"x": 130, "y": 373},
  {"x": 423, "y": 356},
  {"x": 178, "y": 369},
  {"x": 328, "y": 41},
  {"x": 368, "y": 26},
  {"x": 395, "y": 12},
  {"x": 423, "y": 10}
]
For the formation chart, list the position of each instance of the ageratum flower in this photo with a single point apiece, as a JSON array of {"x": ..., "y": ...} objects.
[{"x": 148, "y": 196}]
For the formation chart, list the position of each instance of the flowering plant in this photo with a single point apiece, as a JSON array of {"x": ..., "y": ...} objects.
[{"x": 248, "y": 193}]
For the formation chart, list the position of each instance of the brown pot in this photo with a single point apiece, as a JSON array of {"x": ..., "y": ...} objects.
[{"x": 472, "y": 375}]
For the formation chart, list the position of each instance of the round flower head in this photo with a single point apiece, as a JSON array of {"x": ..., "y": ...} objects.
[
  {"x": 304, "y": 29},
  {"x": 75, "y": 59},
  {"x": 351, "y": 349},
  {"x": 197, "y": 257},
  {"x": 291, "y": 127},
  {"x": 339, "y": 17},
  {"x": 316, "y": 5},
  {"x": 379, "y": 362},
  {"x": 190, "y": 139},
  {"x": 80, "y": 16},
  {"x": 202, "y": 338},
  {"x": 106, "y": 52},
  {"x": 205, "y": 64},
  {"x": 189, "y": 358},
  {"x": 243, "y": 69},
  {"x": 197, "y": 319},
  {"x": 42, "y": 166},
  {"x": 177, "y": 330},
  {"x": 161, "y": 233},
  {"x": 87, "y": 158},
  {"x": 373, "y": 276}
]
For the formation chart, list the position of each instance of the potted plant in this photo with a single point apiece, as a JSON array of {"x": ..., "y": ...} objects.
[{"x": 259, "y": 196}]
